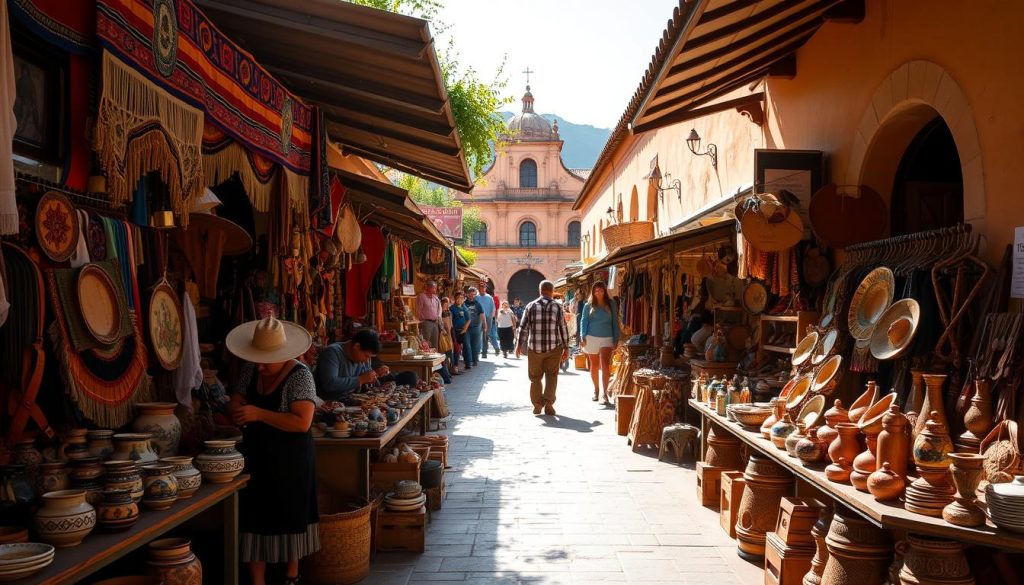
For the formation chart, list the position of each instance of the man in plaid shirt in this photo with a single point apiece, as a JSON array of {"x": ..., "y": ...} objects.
[{"x": 542, "y": 331}]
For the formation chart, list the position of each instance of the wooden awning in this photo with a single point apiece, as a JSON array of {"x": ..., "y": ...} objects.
[
  {"x": 374, "y": 73},
  {"x": 686, "y": 240},
  {"x": 389, "y": 207},
  {"x": 714, "y": 46}
]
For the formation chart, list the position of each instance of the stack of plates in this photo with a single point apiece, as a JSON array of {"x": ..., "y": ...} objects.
[
  {"x": 339, "y": 433},
  {"x": 408, "y": 496},
  {"x": 1006, "y": 504},
  {"x": 23, "y": 559}
]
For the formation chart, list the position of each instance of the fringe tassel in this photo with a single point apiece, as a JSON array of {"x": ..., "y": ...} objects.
[
  {"x": 140, "y": 129},
  {"x": 8, "y": 223},
  {"x": 298, "y": 196},
  {"x": 232, "y": 159}
]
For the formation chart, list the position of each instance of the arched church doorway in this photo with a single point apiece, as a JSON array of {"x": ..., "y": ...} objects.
[
  {"x": 928, "y": 192},
  {"x": 524, "y": 284}
]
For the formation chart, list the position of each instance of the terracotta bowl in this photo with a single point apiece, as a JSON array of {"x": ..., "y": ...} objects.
[
  {"x": 798, "y": 394},
  {"x": 805, "y": 348},
  {"x": 811, "y": 415},
  {"x": 749, "y": 415},
  {"x": 871, "y": 422},
  {"x": 827, "y": 377}
]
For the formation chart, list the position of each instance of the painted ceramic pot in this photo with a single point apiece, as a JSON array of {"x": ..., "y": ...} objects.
[
  {"x": 65, "y": 518},
  {"x": 161, "y": 489},
  {"x": 811, "y": 449},
  {"x": 53, "y": 477},
  {"x": 101, "y": 443},
  {"x": 158, "y": 420},
  {"x": 120, "y": 474},
  {"x": 86, "y": 470},
  {"x": 134, "y": 447},
  {"x": 792, "y": 439},
  {"x": 25, "y": 453},
  {"x": 933, "y": 446},
  {"x": 173, "y": 562},
  {"x": 220, "y": 462},
  {"x": 188, "y": 477},
  {"x": 781, "y": 430},
  {"x": 117, "y": 511},
  {"x": 75, "y": 445},
  {"x": 885, "y": 484},
  {"x": 778, "y": 406}
]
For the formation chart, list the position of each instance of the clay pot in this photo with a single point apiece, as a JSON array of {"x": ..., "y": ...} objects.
[
  {"x": 101, "y": 443},
  {"x": 833, "y": 416},
  {"x": 75, "y": 445},
  {"x": 766, "y": 483},
  {"x": 885, "y": 484},
  {"x": 65, "y": 518},
  {"x": 85, "y": 470},
  {"x": 978, "y": 418},
  {"x": 793, "y": 439},
  {"x": 933, "y": 403},
  {"x": 842, "y": 452},
  {"x": 967, "y": 472},
  {"x": 172, "y": 561},
  {"x": 818, "y": 532},
  {"x": 916, "y": 398},
  {"x": 117, "y": 511},
  {"x": 782, "y": 429},
  {"x": 120, "y": 474},
  {"x": 53, "y": 477},
  {"x": 811, "y": 450},
  {"x": 134, "y": 447},
  {"x": 930, "y": 493},
  {"x": 220, "y": 462},
  {"x": 894, "y": 441},
  {"x": 25, "y": 453},
  {"x": 188, "y": 477},
  {"x": 160, "y": 487},
  {"x": 858, "y": 552},
  {"x": 863, "y": 402},
  {"x": 778, "y": 409},
  {"x": 870, "y": 425},
  {"x": 158, "y": 420},
  {"x": 934, "y": 561},
  {"x": 932, "y": 447}
]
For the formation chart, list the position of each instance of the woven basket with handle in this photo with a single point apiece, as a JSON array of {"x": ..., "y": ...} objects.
[
  {"x": 344, "y": 555},
  {"x": 628, "y": 233}
]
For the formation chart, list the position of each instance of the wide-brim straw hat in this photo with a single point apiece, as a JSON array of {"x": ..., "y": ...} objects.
[
  {"x": 872, "y": 297},
  {"x": 895, "y": 330},
  {"x": 236, "y": 239},
  {"x": 773, "y": 227},
  {"x": 268, "y": 341}
]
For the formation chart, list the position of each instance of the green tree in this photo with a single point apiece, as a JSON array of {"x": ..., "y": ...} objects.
[{"x": 424, "y": 193}]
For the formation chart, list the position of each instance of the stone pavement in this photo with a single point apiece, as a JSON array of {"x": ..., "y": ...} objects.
[{"x": 559, "y": 500}]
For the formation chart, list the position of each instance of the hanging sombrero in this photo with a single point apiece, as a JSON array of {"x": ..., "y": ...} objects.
[
  {"x": 872, "y": 297},
  {"x": 771, "y": 225},
  {"x": 100, "y": 304},
  {"x": 56, "y": 226},
  {"x": 755, "y": 297},
  {"x": 166, "y": 330},
  {"x": 895, "y": 329},
  {"x": 214, "y": 229}
]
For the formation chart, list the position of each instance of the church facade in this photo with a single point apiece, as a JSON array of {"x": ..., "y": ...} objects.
[{"x": 525, "y": 199}]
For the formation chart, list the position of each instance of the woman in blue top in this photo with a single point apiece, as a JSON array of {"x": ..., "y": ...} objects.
[
  {"x": 460, "y": 316},
  {"x": 599, "y": 334}
]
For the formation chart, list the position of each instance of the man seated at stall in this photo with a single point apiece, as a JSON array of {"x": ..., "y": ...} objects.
[{"x": 343, "y": 368}]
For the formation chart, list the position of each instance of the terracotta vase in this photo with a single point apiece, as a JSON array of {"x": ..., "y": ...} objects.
[
  {"x": 117, "y": 511},
  {"x": 811, "y": 450},
  {"x": 978, "y": 418},
  {"x": 917, "y": 390},
  {"x": 220, "y": 462},
  {"x": 870, "y": 425},
  {"x": 161, "y": 489},
  {"x": 188, "y": 477},
  {"x": 842, "y": 452},
  {"x": 778, "y": 409},
  {"x": 885, "y": 484},
  {"x": 134, "y": 447},
  {"x": 858, "y": 552},
  {"x": 120, "y": 474},
  {"x": 52, "y": 477},
  {"x": 172, "y": 561},
  {"x": 25, "y": 453},
  {"x": 818, "y": 532},
  {"x": 101, "y": 443},
  {"x": 930, "y": 561},
  {"x": 766, "y": 483},
  {"x": 894, "y": 441},
  {"x": 65, "y": 518},
  {"x": 967, "y": 472},
  {"x": 933, "y": 404},
  {"x": 863, "y": 402},
  {"x": 833, "y": 416},
  {"x": 782, "y": 429},
  {"x": 158, "y": 420},
  {"x": 933, "y": 446}
]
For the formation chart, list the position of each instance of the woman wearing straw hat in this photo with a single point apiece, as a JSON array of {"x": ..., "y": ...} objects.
[{"x": 274, "y": 405}]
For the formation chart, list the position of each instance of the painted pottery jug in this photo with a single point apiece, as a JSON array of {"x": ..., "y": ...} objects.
[
  {"x": 121, "y": 474},
  {"x": 134, "y": 447},
  {"x": 101, "y": 443},
  {"x": 25, "y": 453},
  {"x": 885, "y": 484},
  {"x": 811, "y": 449},
  {"x": 967, "y": 472},
  {"x": 793, "y": 438},
  {"x": 117, "y": 511},
  {"x": 863, "y": 402},
  {"x": 978, "y": 418},
  {"x": 65, "y": 518},
  {"x": 842, "y": 452},
  {"x": 188, "y": 477},
  {"x": 75, "y": 445},
  {"x": 778, "y": 408},
  {"x": 894, "y": 441},
  {"x": 933, "y": 560},
  {"x": 161, "y": 489},
  {"x": 220, "y": 462},
  {"x": 86, "y": 469},
  {"x": 932, "y": 447},
  {"x": 53, "y": 476},
  {"x": 818, "y": 532},
  {"x": 782, "y": 429},
  {"x": 158, "y": 419},
  {"x": 172, "y": 561},
  {"x": 17, "y": 494},
  {"x": 766, "y": 483},
  {"x": 858, "y": 551},
  {"x": 933, "y": 403},
  {"x": 833, "y": 416}
]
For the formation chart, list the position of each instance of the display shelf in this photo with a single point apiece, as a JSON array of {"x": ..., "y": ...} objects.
[
  {"x": 388, "y": 435},
  {"x": 890, "y": 515}
]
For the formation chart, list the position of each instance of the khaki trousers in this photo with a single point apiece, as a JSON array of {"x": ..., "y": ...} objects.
[
  {"x": 543, "y": 364},
  {"x": 430, "y": 331}
]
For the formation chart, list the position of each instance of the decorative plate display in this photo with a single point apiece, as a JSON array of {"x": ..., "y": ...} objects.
[
  {"x": 100, "y": 305},
  {"x": 166, "y": 333},
  {"x": 56, "y": 226},
  {"x": 755, "y": 297}
]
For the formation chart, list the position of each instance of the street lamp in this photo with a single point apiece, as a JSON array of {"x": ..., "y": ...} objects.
[
  {"x": 693, "y": 142},
  {"x": 671, "y": 184}
]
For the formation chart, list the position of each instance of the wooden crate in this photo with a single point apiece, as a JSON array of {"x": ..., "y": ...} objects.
[
  {"x": 729, "y": 500},
  {"x": 624, "y": 405},
  {"x": 709, "y": 484},
  {"x": 384, "y": 475},
  {"x": 785, "y": 565},
  {"x": 401, "y": 531},
  {"x": 796, "y": 518}
]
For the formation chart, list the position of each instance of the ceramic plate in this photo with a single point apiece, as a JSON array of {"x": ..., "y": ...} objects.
[
  {"x": 99, "y": 303},
  {"x": 57, "y": 226},
  {"x": 165, "y": 326}
]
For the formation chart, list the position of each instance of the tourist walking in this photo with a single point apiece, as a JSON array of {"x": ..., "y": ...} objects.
[
  {"x": 506, "y": 323},
  {"x": 599, "y": 334},
  {"x": 460, "y": 321},
  {"x": 446, "y": 339},
  {"x": 274, "y": 405},
  {"x": 490, "y": 312},
  {"x": 428, "y": 310},
  {"x": 518, "y": 308},
  {"x": 542, "y": 334},
  {"x": 475, "y": 329}
]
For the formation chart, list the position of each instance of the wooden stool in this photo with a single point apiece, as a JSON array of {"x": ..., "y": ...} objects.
[{"x": 679, "y": 436}]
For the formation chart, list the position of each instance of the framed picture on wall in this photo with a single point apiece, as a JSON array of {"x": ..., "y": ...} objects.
[
  {"x": 801, "y": 172},
  {"x": 39, "y": 80}
]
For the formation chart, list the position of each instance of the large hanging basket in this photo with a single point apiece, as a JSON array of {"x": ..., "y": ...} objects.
[
  {"x": 624, "y": 234},
  {"x": 344, "y": 555}
]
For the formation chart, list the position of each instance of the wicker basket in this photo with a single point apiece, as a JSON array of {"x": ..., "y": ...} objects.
[
  {"x": 624, "y": 234},
  {"x": 344, "y": 555}
]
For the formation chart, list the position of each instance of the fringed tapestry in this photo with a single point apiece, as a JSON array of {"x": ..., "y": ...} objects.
[
  {"x": 140, "y": 129},
  {"x": 224, "y": 157},
  {"x": 68, "y": 24}
]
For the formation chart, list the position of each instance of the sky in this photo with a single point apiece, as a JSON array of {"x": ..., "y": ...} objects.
[{"x": 588, "y": 56}]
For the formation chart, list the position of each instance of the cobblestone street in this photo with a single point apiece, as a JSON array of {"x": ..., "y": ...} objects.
[{"x": 560, "y": 500}]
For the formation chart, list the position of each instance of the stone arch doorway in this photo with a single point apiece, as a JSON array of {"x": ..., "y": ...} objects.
[
  {"x": 525, "y": 285},
  {"x": 928, "y": 192}
]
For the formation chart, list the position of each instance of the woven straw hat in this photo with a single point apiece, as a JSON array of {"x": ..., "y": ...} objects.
[
  {"x": 872, "y": 297},
  {"x": 895, "y": 329},
  {"x": 268, "y": 341},
  {"x": 773, "y": 227}
]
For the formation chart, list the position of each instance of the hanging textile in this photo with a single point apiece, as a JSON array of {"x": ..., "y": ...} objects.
[
  {"x": 8, "y": 124},
  {"x": 359, "y": 279},
  {"x": 140, "y": 129},
  {"x": 68, "y": 24},
  {"x": 189, "y": 374},
  {"x": 223, "y": 157}
]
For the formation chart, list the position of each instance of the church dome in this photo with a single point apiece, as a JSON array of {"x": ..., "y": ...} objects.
[{"x": 528, "y": 126}]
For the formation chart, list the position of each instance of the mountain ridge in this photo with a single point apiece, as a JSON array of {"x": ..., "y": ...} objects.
[{"x": 583, "y": 142}]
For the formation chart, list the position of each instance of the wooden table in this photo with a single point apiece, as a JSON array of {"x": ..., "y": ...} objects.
[
  {"x": 72, "y": 565},
  {"x": 889, "y": 515},
  {"x": 422, "y": 367},
  {"x": 343, "y": 465}
]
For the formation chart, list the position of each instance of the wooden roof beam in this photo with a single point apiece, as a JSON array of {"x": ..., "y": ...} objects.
[
  {"x": 396, "y": 135},
  {"x": 437, "y": 175},
  {"x": 692, "y": 114},
  {"x": 368, "y": 89}
]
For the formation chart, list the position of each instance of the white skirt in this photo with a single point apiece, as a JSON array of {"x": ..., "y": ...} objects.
[{"x": 596, "y": 344}]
